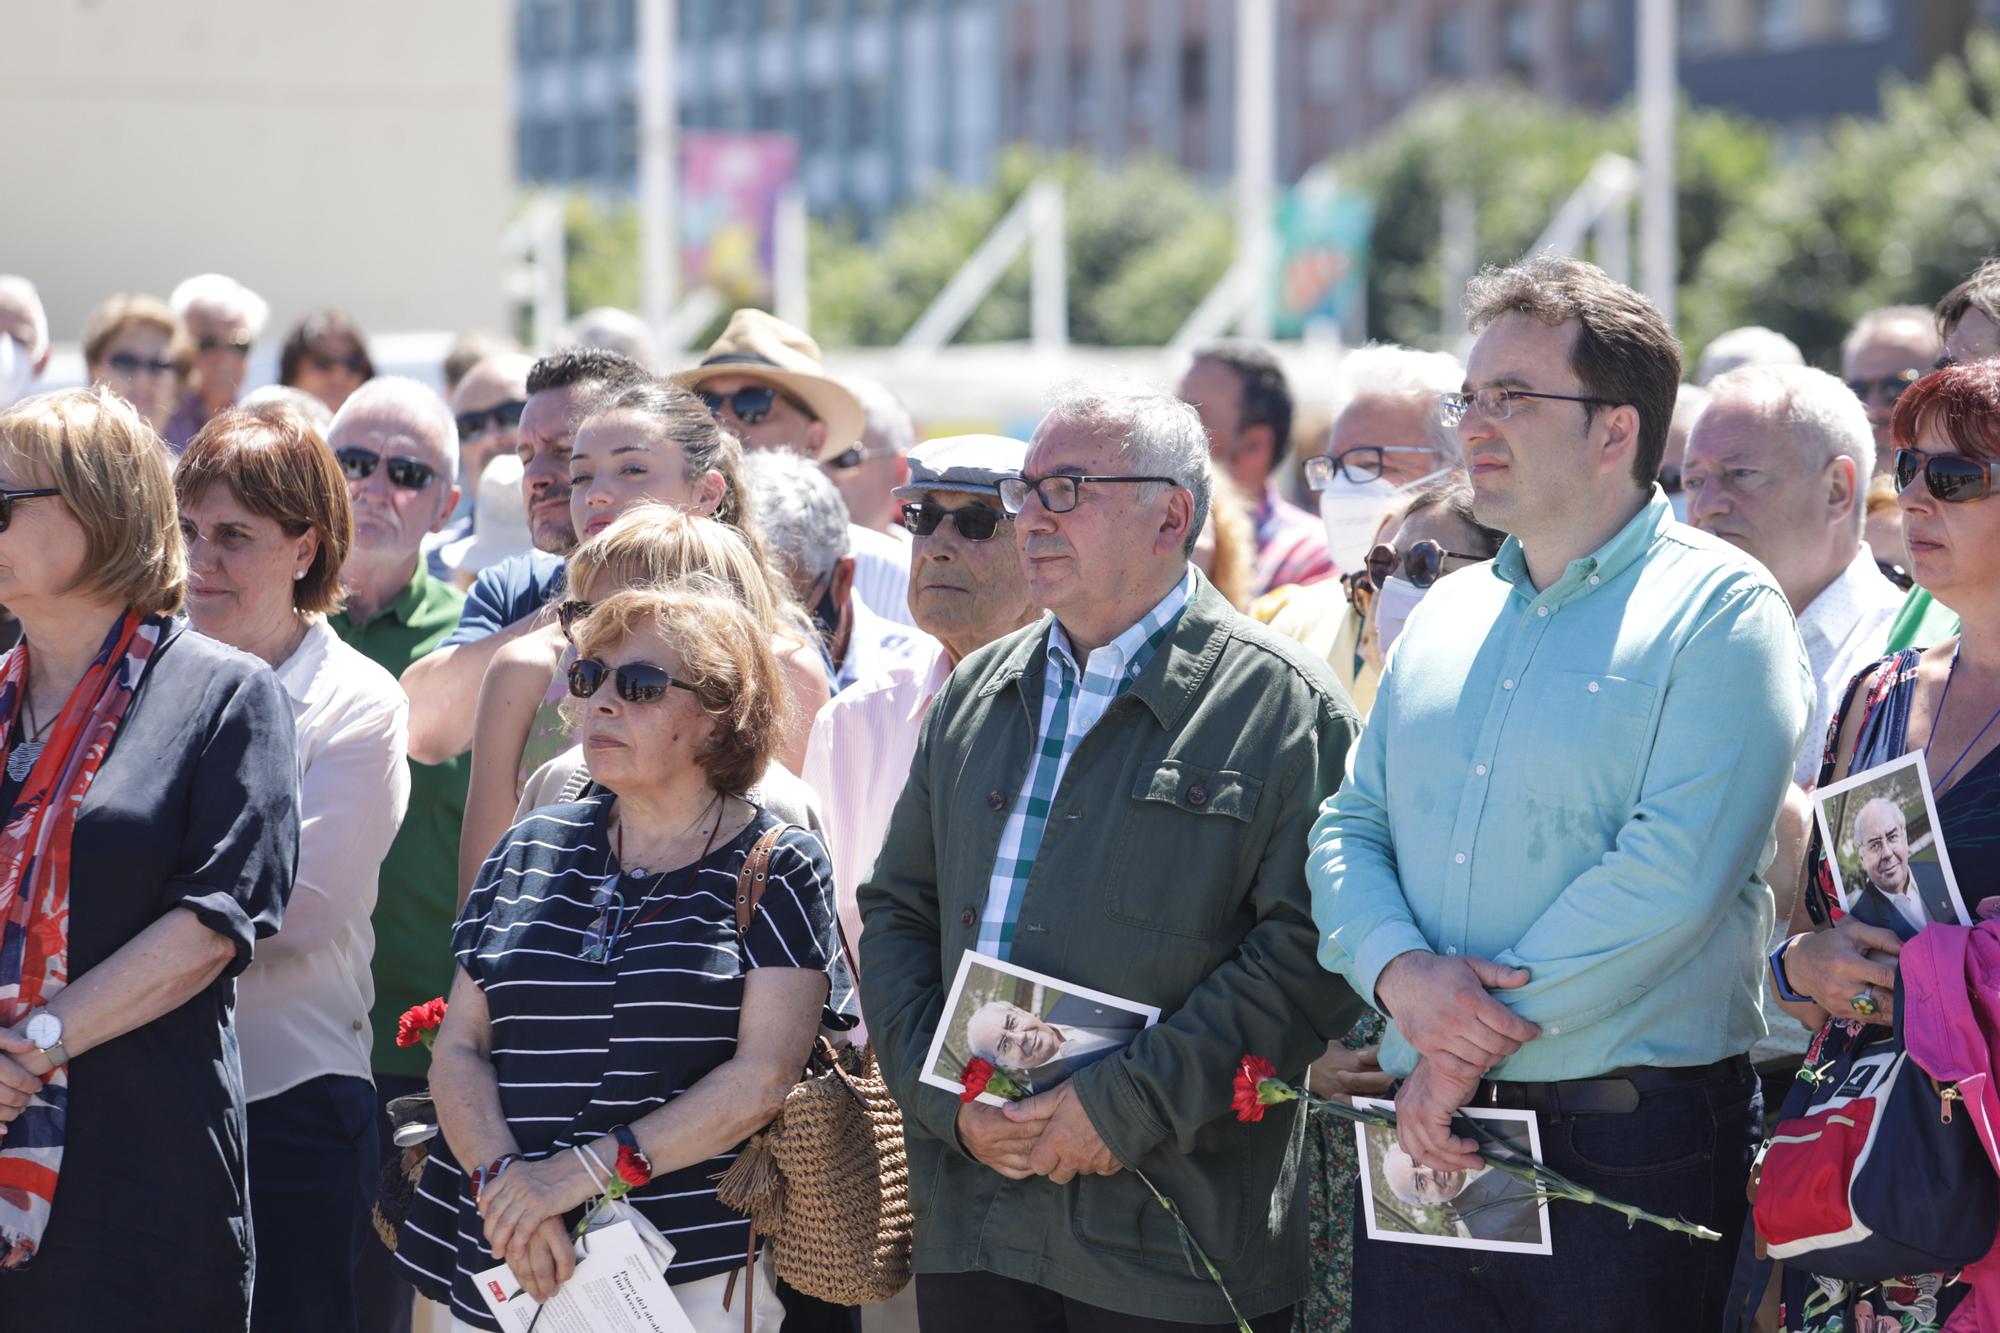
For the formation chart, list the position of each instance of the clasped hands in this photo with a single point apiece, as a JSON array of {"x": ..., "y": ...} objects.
[
  {"x": 1047, "y": 1134},
  {"x": 22, "y": 1069},
  {"x": 1834, "y": 966},
  {"x": 1443, "y": 1008},
  {"x": 523, "y": 1213}
]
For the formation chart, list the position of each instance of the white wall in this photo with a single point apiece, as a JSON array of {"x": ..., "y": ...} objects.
[{"x": 356, "y": 154}]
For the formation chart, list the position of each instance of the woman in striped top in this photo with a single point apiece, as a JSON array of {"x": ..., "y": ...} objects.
[{"x": 601, "y": 999}]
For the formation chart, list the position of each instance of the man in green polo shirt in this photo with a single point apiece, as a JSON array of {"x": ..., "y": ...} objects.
[{"x": 398, "y": 445}]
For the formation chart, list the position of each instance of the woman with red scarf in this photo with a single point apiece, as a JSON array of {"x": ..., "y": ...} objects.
[{"x": 148, "y": 831}]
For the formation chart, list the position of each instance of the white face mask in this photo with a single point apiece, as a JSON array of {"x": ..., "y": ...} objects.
[
  {"x": 17, "y": 370},
  {"x": 1352, "y": 511},
  {"x": 1393, "y": 603}
]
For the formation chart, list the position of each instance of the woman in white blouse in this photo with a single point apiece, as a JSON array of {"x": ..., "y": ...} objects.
[{"x": 265, "y": 513}]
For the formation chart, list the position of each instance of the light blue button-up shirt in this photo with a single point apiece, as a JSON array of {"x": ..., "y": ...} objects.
[{"x": 1582, "y": 782}]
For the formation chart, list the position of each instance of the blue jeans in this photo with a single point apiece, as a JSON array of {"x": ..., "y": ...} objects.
[{"x": 1685, "y": 1152}]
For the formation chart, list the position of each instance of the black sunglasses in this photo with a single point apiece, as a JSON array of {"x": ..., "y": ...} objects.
[
  {"x": 7, "y": 499},
  {"x": 1951, "y": 478},
  {"x": 408, "y": 473},
  {"x": 356, "y": 363},
  {"x": 1422, "y": 564},
  {"x": 1889, "y": 386},
  {"x": 852, "y": 457},
  {"x": 975, "y": 523},
  {"x": 571, "y": 611},
  {"x": 753, "y": 402},
  {"x": 238, "y": 343},
  {"x": 637, "y": 682},
  {"x": 500, "y": 416},
  {"x": 131, "y": 363}
]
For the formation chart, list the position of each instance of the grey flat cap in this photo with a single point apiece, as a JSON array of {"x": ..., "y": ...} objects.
[{"x": 962, "y": 463}]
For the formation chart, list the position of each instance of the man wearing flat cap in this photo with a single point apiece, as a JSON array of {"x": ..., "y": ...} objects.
[
  {"x": 966, "y": 590},
  {"x": 766, "y": 382}
]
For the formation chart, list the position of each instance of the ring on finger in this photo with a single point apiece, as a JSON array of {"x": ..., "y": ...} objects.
[{"x": 1864, "y": 1002}]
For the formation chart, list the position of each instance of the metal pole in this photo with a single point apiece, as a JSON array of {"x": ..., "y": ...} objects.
[
  {"x": 790, "y": 275},
  {"x": 1256, "y": 154},
  {"x": 1658, "y": 92},
  {"x": 659, "y": 151}
]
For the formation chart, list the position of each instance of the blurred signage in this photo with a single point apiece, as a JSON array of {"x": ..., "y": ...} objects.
[
  {"x": 730, "y": 185},
  {"x": 1322, "y": 256}
]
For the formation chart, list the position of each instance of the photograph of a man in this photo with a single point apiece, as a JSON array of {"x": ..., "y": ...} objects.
[
  {"x": 1077, "y": 1032},
  {"x": 1888, "y": 859},
  {"x": 1481, "y": 1204}
]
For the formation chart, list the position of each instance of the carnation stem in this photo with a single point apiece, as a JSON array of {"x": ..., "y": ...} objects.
[{"x": 1187, "y": 1238}]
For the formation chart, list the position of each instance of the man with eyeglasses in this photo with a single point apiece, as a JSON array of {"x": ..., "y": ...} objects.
[
  {"x": 488, "y": 404},
  {"x": 1115, "y": 795},
  {"x": 868, "y": 471},
  {"x": 223, "y": 319},
  {"x": 1883, "y": 354},
  {"x": 398, "y": 446},
  {"x": 966, "y": 590},
  {"x": 508, "y": 599},
  {"x": 1545, "y": 866},
  {"x": 766, "y": 382}
]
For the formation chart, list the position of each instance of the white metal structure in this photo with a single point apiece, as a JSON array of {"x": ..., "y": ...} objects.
[
  {"x": 1037, "y": 218},
  {"x": 1659, "y": 247},
  {"x": 659, "y": 154}
]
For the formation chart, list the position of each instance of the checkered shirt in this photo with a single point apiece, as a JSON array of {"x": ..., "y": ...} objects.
[{"x": 1073, "y": 699}]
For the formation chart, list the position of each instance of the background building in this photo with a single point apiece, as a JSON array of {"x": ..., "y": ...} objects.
[{"x": 887, "y": 96}]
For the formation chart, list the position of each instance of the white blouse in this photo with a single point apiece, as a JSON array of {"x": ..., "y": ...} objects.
[{"x": 302, "y": 1004}]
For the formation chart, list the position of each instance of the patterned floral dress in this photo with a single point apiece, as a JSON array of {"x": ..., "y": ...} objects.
[{"x": 1331, "y": 1170}]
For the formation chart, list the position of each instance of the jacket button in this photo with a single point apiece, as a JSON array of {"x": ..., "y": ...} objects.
[
  {"x": 996, "y": 800},
  {"x": 969, "y": 917},
  {"x": 1197, "y": 795}
]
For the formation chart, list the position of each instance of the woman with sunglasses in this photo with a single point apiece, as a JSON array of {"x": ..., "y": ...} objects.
[
  {"x": 604, "y": 998},
  {"x": 1436, "y": 535},
  {"x": 148, "y": 794},
  {"x": 326, "y": 355},
  {"x": 1943, "y": 701},
  {"x": 134, "y": 346},
  {"x": 265, "y": 514}
]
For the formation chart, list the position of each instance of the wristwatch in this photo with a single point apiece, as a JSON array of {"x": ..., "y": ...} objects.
[
  {"x": 1778, "y": 977},
  {"x": 45, "y": 1030}
]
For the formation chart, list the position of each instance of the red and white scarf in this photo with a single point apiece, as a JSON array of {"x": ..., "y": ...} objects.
[{"x": 34, "y": 898}]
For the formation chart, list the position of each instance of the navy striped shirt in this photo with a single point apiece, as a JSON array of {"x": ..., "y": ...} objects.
[{"x": 581, "y": 1047}]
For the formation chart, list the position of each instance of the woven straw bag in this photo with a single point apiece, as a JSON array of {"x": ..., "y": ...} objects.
[{"x": 828, "y": 1180}]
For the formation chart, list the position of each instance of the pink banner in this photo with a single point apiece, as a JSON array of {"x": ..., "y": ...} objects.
[{"x": 729, "y": 194}]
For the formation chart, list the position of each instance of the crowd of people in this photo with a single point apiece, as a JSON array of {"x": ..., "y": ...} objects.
[{"x": 1488, "y": 784}]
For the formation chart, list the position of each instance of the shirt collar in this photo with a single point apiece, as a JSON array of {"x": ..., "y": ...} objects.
[
  {"x": 406, "y": 604},
  {"x": 930, "y": 679},
  {"x": 1586, "y": 573},
  {"x": 1843, "y": 602},
  {"x": 1127, "y": 646},
  {"x": 298, "y": 672}
]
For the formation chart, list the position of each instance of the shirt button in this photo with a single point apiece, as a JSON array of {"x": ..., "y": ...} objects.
[
  {"x": 968, "y": 916},
  {"x": 1506, "y": 684},
  {"x": 1592, "y": 687},
  {"x": 1541, "y": 610},
  {"x": 359, "y": 1025},
  {"x": 1593, "y": 580},
  {"x": 1451, "y": 950},
  {"x": 1197, "y": 795},
  {"x": 996, "y": 800},
  {"x": 1480, "y": 769},
  {"x": 1460, "y": 858}
]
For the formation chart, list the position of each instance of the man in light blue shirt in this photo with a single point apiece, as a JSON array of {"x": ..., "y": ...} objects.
[{"x": 1545, "y": 865}]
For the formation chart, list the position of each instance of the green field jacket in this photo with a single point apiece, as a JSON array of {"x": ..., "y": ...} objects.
[{"x": 1172, "y": 873}]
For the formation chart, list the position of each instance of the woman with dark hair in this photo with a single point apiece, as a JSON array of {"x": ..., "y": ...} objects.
[
  {"x": 605, "y": 997},
  {"x": 264, "y": 512},
  {"x": 1942, "y": 701},
  {"x": 326, "y": 355},
  {"x": 150, "y": 831}
]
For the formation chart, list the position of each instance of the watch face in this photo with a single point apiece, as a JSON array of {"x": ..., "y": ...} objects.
[{"x": 45, "y": 1029}]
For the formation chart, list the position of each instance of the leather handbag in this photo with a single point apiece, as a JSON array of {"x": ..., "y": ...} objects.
[{"x": 827, "y": 1181}]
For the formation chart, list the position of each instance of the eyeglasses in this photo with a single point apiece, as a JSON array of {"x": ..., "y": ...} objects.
[
  {"x": 1361, "y": 463},
  {"x": 975, "y": 523},
  {"x": 1058, "y": 494},
  {"x": 131, "y": 363},
  {"x": 354, "y": 362},
  {"x": 1422, "y": 565},
  {"x": 238, "y": 343},
  {"x": 569, "y": 612},
  {"x": 637, "y": 682},
  {"x": 408, "y": 473},
  {"x": 1889, "y": 386},
  {"x": 7, "y": 499},
  {"x": 1951, "y": 478},
  {"x": 753, "y": 402},
  {"x": 1896, "y": 574},
  {"x": 1498, "y": 404},
  {"x": 610, "y": 923},
  {"x": 851, "y": 458},
  {"x": 500, "y": 416}
]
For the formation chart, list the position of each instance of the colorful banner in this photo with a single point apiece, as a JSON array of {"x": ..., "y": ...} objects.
[
  {"x": 1322, "y": 256},
  {"x": 730, "y": 185}
]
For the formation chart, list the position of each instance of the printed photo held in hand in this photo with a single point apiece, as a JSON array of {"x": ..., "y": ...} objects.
[
  {"x": 1885, "y": 850},
  {"x": 1481, "y": 1209},
  {"x": 1010, "y": 1033}
]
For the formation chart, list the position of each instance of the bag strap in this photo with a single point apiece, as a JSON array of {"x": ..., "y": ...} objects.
[{"x": 754, "y": 877}]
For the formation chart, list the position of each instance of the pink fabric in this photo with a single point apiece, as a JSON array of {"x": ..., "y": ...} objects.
[{"x": 1951, "y": 1027}]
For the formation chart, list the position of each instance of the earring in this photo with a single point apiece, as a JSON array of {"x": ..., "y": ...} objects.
[{"x": 298, "y": 574}]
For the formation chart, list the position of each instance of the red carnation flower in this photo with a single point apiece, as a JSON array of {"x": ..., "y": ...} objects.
[
  {"x": 975, "y": 1076},
  {"x": 632, "y": 1168},
  {"x": 1251, "y": 1071},
  {"x": 420, "y": 1022}
]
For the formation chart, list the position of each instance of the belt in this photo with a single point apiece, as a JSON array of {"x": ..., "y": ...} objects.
[{"x": 1615, "y": 1092}]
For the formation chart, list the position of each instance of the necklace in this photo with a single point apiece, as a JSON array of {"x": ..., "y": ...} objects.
[
  {"x": 1943, "y": 699},
  {"x": 21, "y": 761},
  {"x": 609, "y": 902}
]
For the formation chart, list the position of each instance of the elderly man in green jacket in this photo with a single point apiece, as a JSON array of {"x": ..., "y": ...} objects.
[{"x": 1117, "y": 796}]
